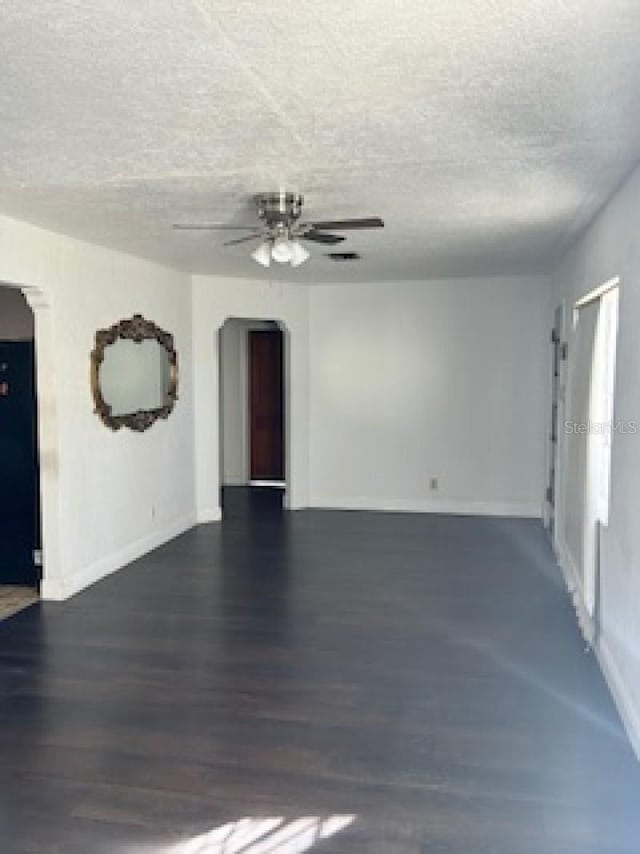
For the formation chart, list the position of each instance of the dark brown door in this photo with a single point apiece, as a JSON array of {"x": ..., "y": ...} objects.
[{"x": 266, "y": 404}]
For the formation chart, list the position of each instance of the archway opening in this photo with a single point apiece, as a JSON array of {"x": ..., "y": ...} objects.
[
  {"x": 20, "y": 520},
  {"x": 253, "y": 413}
]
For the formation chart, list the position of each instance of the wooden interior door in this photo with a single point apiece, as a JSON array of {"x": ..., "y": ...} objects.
[{"x": 266, "y": 404}]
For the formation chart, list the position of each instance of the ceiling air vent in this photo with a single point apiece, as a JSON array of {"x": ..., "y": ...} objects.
[{"x": 343, "y": 256}]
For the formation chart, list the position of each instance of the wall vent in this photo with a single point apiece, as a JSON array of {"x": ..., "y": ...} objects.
[{"x": 343, "y": 256}]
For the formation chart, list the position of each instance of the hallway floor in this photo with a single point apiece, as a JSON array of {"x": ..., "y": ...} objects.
[
  {"x": 14, "y": 598},
  {"x": 341, "y": 682}
]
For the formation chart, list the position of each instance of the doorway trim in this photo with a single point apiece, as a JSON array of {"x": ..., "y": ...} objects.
[
  {"x": 48, "y": 454},
  {"x": 553, "y": 500},
  {"x": 585, "y": 592}
]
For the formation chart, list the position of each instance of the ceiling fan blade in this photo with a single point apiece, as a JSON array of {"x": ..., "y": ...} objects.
[
  {"x": 319, "y": 237},
  {"x": 210, "y": 226},
  {"x": 244, "y": 239},
  {"x": 345, "y": 224}
]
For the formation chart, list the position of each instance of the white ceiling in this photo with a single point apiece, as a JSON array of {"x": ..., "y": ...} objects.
[{"x": 486, "y": 133}]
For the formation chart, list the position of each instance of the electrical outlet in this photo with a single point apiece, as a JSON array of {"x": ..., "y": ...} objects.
[{"x": 433, "y": 483}]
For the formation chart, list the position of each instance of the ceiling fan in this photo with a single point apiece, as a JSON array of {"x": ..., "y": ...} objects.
[{"x": 280, "y": 229}]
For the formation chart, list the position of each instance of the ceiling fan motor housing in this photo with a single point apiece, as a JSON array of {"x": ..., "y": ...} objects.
[{"x": 279, "y": 209}]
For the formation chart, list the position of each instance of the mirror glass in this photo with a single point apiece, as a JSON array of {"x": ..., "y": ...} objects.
[{"x": 135, "y": 376}]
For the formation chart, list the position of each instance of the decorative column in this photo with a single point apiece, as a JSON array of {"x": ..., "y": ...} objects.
[{"x": 52, "y": 578}]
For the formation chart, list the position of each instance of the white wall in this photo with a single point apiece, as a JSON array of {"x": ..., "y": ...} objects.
[
  {"x": 610, "y": 248},
  {"x": 214, "y": 300},
  {"x": 109, "y": 496},
  {"x": 16, "y": 318},
  {"x": 233, "y": 391},
  {"x": 415, "y": 380}
]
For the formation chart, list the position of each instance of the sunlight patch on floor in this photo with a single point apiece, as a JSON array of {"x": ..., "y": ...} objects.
[{"x": 274, "y": 835}]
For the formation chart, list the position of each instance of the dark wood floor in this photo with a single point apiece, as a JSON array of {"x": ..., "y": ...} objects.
[{"x": 422, "y": 674}]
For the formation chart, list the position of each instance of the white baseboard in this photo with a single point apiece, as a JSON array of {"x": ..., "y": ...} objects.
[
  {"x": 628, "y": 711},
  {"x": 62, "y": 588},
  {"x": 209, "y": 514},
  {"x": 435, "y": 505},
  {"x": 234, "y": 480},
  {"x": 294, "y": 502}
]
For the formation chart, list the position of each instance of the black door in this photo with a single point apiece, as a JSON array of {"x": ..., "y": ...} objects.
[{"x": 19, "y": 500}]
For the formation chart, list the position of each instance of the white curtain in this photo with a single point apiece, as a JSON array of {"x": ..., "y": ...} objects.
[{"x": 603, "y": 393}]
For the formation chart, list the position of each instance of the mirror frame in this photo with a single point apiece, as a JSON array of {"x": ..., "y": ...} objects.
[{"x": 136, "y": 329}]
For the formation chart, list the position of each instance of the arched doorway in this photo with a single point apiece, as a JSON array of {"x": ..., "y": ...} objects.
[
  {"x": 29, "y": 320},
  {"x": 253, "y": 407},
  {"x": 20, "y": 541}
]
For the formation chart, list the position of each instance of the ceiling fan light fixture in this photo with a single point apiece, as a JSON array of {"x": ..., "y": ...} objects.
[
  {"x": 298, "y": 254},
  {"x": 263, "y": 254},
  {"x": 281, "y": 250}
]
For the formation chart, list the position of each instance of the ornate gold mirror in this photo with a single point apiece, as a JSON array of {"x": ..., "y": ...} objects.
[{"x": 134, "y": 374}]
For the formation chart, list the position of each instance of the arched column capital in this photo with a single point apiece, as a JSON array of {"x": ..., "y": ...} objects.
[{"x": 37, "y": 299}]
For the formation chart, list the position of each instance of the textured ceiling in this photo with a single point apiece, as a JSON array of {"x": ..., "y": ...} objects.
[{"x": 486, "y": 133}]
